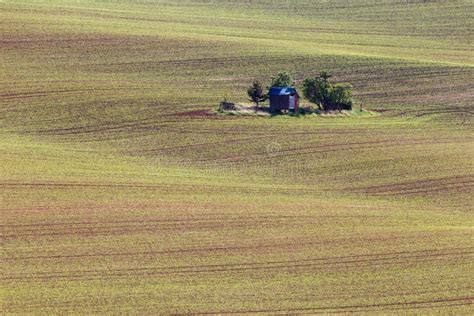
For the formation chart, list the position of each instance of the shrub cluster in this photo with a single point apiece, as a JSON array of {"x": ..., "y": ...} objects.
[
  {"x": 318, "y": 90},
  {"x": 328, "y": 96}
]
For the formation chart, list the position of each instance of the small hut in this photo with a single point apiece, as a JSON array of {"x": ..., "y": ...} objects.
[{"x": 283, "y": 98}]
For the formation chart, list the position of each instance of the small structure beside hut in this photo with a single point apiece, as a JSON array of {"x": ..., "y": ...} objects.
[{"x": 283, "y": 99}]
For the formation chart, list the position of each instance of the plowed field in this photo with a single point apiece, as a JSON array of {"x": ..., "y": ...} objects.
[{"x": 121, "y": 193}]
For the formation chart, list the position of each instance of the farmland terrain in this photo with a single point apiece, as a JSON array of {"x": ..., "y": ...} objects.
[{"x": 120, "y": 192}]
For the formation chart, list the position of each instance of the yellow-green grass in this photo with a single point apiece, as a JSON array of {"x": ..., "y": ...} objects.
[
  {"x": 109, "y": 237},
  {"x": 120, "y": 193}
]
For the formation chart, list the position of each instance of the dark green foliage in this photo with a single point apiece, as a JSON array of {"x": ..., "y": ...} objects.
[
  {"x": 256, "y": 94},
  {"x": 327, "y": 96},
  {"x": 325, "y": 75},
  {"x": 340, "y": 96},
  {"x": 283, "y": 79},
  {"x": 317, "y": 90}
]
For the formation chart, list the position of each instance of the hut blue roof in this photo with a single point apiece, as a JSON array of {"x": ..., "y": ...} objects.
[{"x": 282, "y": 91}]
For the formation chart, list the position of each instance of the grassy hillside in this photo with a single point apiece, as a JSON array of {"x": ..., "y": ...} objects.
[{"x": 119, "y": 192}]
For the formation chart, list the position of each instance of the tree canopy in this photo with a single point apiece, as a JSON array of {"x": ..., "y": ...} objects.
[
  {"x": 283, "y": 79},
  {"x": 255, "y": 93},
  {"x": 325, "y": 95}
]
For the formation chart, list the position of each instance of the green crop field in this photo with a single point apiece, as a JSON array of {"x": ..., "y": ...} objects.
[{"x": 122, "y": 192}]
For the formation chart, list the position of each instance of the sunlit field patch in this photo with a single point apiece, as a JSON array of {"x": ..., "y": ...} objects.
[{"x": 123, "y": 191}]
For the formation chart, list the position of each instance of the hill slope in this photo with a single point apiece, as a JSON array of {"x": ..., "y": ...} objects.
[{"x": 120, "y": 193}]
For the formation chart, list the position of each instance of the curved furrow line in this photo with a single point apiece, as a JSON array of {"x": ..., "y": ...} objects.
[
  {"x": 320, "y": 264},
  {"x": 459, "y": 301}
]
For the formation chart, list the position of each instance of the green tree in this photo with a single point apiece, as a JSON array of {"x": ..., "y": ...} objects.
[
  {"x": 325, "y": 95},
  {"x": 283, "y": 79},
  {"x": 317, "y": 90},
  {"x": 256, "y": 94},
  {"x": 341, "y": 96},
  {"x": 325, "y": 75}
]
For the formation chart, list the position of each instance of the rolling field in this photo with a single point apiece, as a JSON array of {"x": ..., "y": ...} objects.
[{"x": 120, "y": 192}]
